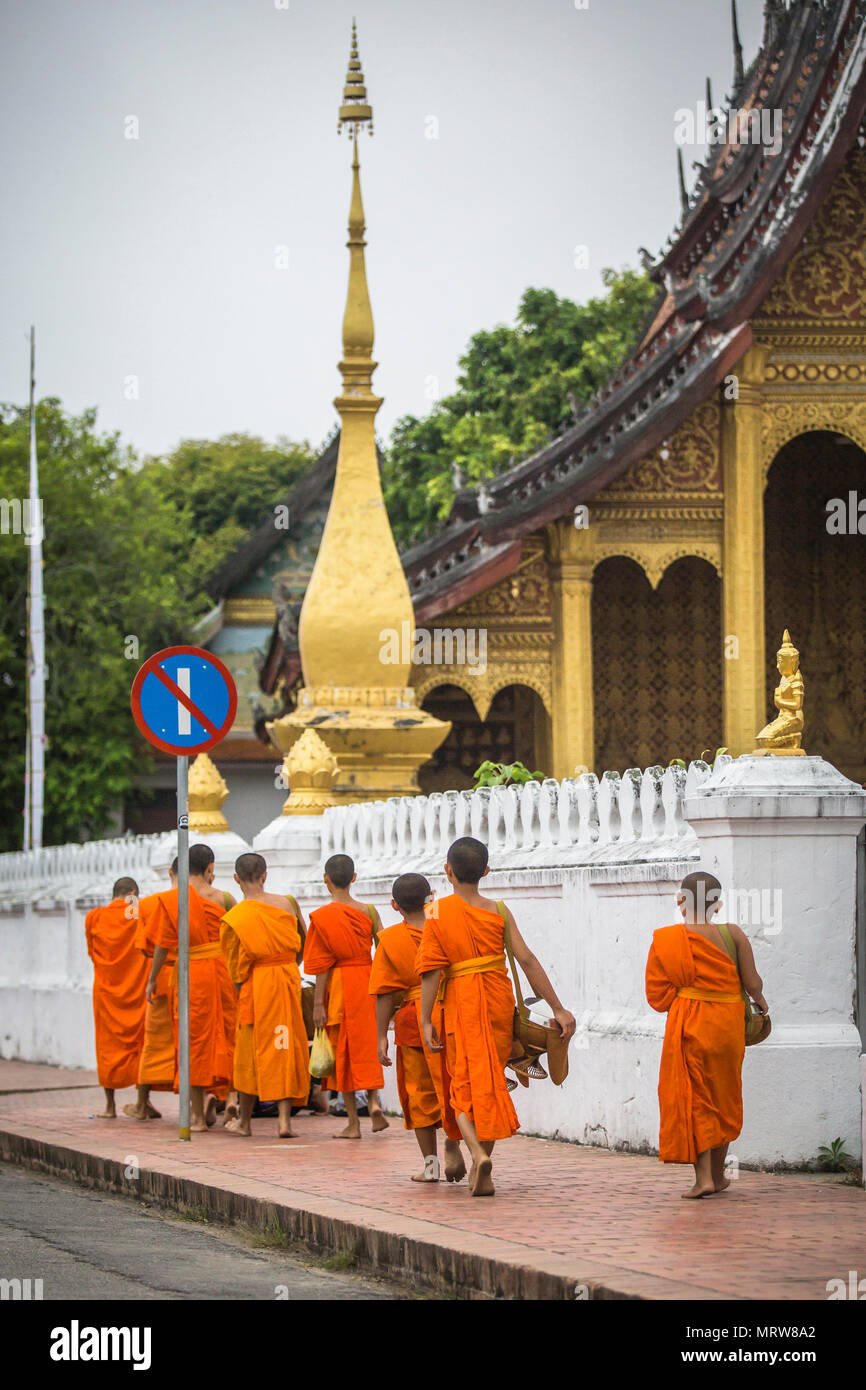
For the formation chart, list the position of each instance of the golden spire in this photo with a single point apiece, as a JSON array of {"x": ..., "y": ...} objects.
[
  {"x": 357, "y": 588},
  {"x": 357, "y": 613}
]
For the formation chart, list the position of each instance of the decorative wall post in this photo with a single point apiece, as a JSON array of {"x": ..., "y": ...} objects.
[
  {"x": 571, "y": 566},
  {"x": 293, "y": 841},
  {"x": 744, "y": 657}
]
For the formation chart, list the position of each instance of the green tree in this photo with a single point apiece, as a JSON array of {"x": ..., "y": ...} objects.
[
  {"x": 223, "y": 487},
  {"x": 111, "y": 575},
  {"x": 516, "y": 388}
]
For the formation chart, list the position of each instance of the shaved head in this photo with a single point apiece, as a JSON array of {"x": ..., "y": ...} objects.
[
  {"x": 123, "y": 887},
  {"x": 467, "y": 859},
  {"x": 250, "y": 868},
  {"x": 340, "y": 869}
]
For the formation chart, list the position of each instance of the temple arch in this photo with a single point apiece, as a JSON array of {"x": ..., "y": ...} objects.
[
  {"x": 516, "y": 728},
  {"x": 656, "y": 658},
  {"x": 816, "y": 587}
]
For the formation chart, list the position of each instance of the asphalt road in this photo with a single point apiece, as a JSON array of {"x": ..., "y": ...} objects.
[{"x": 86, "y": 1245}]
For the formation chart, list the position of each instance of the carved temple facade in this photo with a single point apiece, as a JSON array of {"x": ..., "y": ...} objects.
[{"x": 634, "y": 577}]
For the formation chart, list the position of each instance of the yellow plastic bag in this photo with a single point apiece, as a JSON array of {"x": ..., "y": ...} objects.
[{"x": 322, "y": 1055}]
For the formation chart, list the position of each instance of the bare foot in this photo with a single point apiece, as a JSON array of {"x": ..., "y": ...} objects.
[
  {"x": 350, "y": 1132},
  {"x": 455, "y": 1167},
  {"x": 235, "y": 1127},
  {"x": 431, "y": 1170},
  {"x": 287, "y": 1133},
  {"x": 151, "y": 1112},
  {"x": 231, "y": 1112},
  {"x": 198, "y": 1127},
  {"x": 379, "y": 1121},
  {"x": 135, "y": 1113},
  {"x": 107, "y": 1114},
  {"x": 699, "y": 1190},
  {"x": 481, "y": 1178},
  {"x": 319, "y": 1104},
  {"x": 210, "y": 1111},
  {"x": 722, "y": 1185}
]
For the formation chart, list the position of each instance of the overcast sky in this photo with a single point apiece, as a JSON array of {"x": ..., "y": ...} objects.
[{"x": 156, "y": 257}]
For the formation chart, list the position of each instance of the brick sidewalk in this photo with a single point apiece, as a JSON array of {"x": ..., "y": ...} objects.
[{"x": 563, "y": 1215}]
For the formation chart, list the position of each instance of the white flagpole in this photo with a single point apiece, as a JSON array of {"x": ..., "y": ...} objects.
[{"x": 36, "y": 632}]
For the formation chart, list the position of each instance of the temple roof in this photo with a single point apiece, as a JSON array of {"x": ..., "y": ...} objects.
[
  {"x": 745, "y": 218},
  {"x": 742, "y": 223}
]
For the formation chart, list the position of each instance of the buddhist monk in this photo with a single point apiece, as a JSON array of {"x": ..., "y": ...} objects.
[
  {"x": 157, "y": 1070},
  {"x": 691, "y": 977},
  {"x": 119, "y": 975},
  {"x": 397, "y": 985},
  {"x": 464, "y": 936},
  {"x": 216, "y": 904},
  {"x": 262, "y": 940},
  {"x": 211, "y": 1033},
  {"x": 337, "y": 952}
]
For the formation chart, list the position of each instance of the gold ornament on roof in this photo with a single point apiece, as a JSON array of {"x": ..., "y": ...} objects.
[
  {"x": 207, "y": 792},
  {"x": 783, "y": 736}
]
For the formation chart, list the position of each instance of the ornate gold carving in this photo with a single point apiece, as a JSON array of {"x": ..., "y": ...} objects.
[
  {"x": 783, "y": 420},
  {"x": 826, "y": 278},
  {"x": 655, "y": 558},
  {"x": 688, "y": 463},
  {"x": 207, "y": 792},
  {"x": 310, "y": 770},
  {"x": 483, "y": 688}
]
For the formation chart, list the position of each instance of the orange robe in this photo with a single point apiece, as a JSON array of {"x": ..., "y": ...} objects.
[
  {"x": 260, "y": 942},
  {"x": 158, "y": 1063},
  {"x": 120, "y": 974},
  {"x": 479, "y": 1012},
  {"x": 210, "y": 1032},
  {"x": 700, "y": 1087},
  {"x": 214, "y": 913},
  {"x": 394, "y": 969},
  {"x": 340, "y": 939}
]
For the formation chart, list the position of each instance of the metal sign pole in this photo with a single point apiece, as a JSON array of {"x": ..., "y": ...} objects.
[{"x": 183, "y": 943}]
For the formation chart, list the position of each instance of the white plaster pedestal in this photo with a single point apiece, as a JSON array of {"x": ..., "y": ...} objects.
[
  {"x": 291, "y": 847},
  {"x": 781, "y": 835}
]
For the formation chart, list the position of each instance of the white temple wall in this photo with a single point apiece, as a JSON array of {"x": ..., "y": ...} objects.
[{"x": 590, "y": 869}]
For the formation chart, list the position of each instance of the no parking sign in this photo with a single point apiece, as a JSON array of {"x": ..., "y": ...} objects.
[{"x": 184, "y": 701}]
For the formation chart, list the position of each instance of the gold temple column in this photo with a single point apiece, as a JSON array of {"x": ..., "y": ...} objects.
[
  {"x": 571, "y": 566},
  {"x": 744, "y": 656}
]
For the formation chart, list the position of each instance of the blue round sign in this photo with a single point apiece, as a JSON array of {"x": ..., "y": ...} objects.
[{"x": 184, "y": 700}]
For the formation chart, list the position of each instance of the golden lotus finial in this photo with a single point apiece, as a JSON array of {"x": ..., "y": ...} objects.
[
  {"x": 207, "y": 792},
  {"x": 783, "y": 736},
  {"x": 310, "y": 770}
]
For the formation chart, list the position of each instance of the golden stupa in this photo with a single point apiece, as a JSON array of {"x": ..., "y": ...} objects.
[{"x": 361, "y": 705}]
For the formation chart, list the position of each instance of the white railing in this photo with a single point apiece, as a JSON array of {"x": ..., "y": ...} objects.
[
  {"x": 68, "y": 871},
  {"x": 630, "y": 818}
]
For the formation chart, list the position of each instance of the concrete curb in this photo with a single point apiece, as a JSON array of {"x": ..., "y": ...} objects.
[{"x": 405, "y": 1249}]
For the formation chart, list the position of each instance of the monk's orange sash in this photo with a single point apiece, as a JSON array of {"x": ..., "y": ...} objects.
[
  {"x": 412, "y": 994},
  {"x": 280, "y": 958},
  {"x": 208, "y": 950},
  {"x": 713, "y": 996},
  {"x": 353, "y": 960},
  {"x": 475, "y": 965}
]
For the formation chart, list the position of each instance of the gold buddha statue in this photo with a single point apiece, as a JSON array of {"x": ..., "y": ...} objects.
[{"x": 782, "y": 737}]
